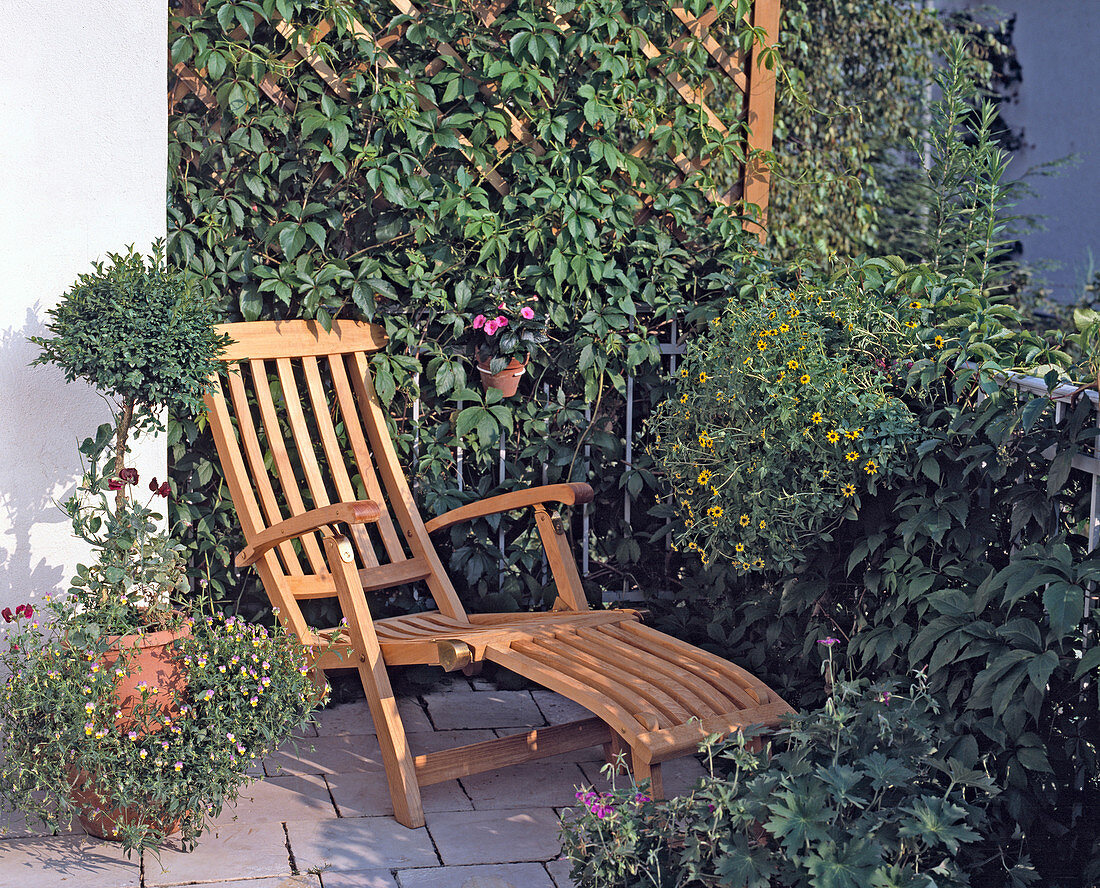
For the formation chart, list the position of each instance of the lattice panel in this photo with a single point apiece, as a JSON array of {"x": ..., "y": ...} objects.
[{"x": 751, "y": 85}]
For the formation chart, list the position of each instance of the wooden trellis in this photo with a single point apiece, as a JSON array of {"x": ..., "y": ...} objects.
[{"x": 755, "y": 81}]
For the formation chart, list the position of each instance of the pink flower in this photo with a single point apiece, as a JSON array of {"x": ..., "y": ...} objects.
[
  {"x": 501, "y": 306},
  {"x": 115, "y": 484},
  {"x": 501, "y": 321},
  {"x": 490, "y": 328},
  {"x": 479, "y": 322},
  {"x": 527, "y": 312}
]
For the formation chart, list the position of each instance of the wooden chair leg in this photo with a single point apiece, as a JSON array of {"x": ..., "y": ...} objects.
[
  {"x": 644, "y": 771},
  {"x": 398, "y": 761}
]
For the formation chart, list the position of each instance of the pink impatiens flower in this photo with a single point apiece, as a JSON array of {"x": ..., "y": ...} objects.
[
  {"x": 490, "y": 328},
  {"x": 479, "y": 322},
  {"x": 527, "y": 312},
  {"x": 501, "y": 321}
]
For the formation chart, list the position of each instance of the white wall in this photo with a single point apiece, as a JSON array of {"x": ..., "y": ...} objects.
[
  {"x": 1058, "y": 108},
  {"x": 83, "y": 155}
]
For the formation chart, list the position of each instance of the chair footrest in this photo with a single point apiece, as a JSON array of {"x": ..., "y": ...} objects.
[{"x": 477, "y": 758}]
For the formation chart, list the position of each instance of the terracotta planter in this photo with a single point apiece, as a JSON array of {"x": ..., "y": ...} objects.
[
  {"x": 507, "y": 380},
  {"x": 105, "y": 823},
  {"x": 152, "y": 663}
]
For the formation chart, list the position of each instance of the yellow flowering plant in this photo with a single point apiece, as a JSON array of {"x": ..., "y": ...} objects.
[{"x": 785, "y": 413}]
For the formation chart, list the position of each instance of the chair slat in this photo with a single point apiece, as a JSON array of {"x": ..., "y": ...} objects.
[
  {"x": 401, "y": 498},
  {"x": 261, "y": 480},
  {"x": 300, "y": 433},
  {"x": 266, "y": 340},
  {"x": 349, "y": 412},
  {"x": 334, "y": 457},
  {"x": 283, "y": 468}
]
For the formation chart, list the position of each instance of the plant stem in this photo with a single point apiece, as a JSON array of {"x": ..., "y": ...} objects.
[{"x": 121, "y": 433}]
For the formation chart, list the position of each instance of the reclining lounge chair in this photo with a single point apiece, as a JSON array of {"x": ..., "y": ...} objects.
[{"x": 334, "y": 465}]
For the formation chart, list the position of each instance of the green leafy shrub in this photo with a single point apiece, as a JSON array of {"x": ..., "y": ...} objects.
[
  {"x": 138, "y": 332},
  {"x": 858, "y": 793},
  {"x": 369, "y": 207},
  {"x": 787, "y": 411}
]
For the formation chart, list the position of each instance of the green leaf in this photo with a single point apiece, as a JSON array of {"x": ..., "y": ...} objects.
[{"x": 1064, "y": 603}]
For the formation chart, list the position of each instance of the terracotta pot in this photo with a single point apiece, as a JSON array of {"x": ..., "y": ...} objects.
[
  {"x": 104, "y": 823},
  {"x": 154, "y": 663},
  {"x": 507, "y": 380}
]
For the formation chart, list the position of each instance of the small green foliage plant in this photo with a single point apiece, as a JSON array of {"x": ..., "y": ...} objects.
[
  {"x": 141, "y": 334},
  {"x": 177, "y": 760},
  {"x": 786, "y": 411},
  {"x": 858, "y": 793}
]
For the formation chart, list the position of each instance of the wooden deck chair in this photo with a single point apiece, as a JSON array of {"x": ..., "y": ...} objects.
[{"x": 303, "y": 398}]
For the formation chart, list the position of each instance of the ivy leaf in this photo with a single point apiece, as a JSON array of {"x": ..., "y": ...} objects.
[
  {"x": 292, "y": 239},
  {"x": 1064, "y": 603}
]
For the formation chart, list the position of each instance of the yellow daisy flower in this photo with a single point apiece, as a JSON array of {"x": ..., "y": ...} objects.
[
  {"x": 939, "y": 342},
  {"x": 763, "y": 524},
  {"x": 817, "y": 418},
  {"x": 851, "y": 456},
  {"x": 793, "y": 364},
  {"x": 833, "y": 437},
  {"x": 703, "y": 376},
  {"x": 871, "y": 468},
  {"x": 848, "y": 490},
  {"x": 704, "y": 477},
  {"x": 804, "y": 379},
  {"x": 744, "y": 520}
]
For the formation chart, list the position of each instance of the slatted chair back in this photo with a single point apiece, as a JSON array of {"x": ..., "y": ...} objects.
[{"x": 298, "y": 426}]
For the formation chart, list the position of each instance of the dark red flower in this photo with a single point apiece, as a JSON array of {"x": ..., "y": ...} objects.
[
  {"x": 115, "y": 484},
  {"x": 130, "y": 476},
  {"x": 6, "y": 614},
  {"x": 165, "y": 489},
  {"x": 153, "y": 485},
  {"x": 28, "y": 611}
]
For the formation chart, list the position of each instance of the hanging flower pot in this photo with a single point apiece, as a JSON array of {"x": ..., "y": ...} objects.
[{"x": 507, "y": 380}]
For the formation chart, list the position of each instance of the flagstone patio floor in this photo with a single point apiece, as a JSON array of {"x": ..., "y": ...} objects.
[{"x": 321, "y": 815}]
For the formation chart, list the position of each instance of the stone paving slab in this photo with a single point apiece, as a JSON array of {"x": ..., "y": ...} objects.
[
  {"x": 501, "y": 875},
  {"x": 14, "y": 825},
  {"x": 382, "y": 878},
  {"x": 557, "y": 709},
  {"x": 237, "y": 851},
  {"x": 436, "y": 741},
  {"x": 300, "y": 881},
  {"x": 66, "y": 862},
  {"x": 679, "y": 775},
  {"x": 469, "y": 837},
  {"x": 452, "y": 708},
  {"x": 559, "y": 872},
  {"x": 325, "y": 755},
  {"x": 538, "y": 784},
  {"x": 281, "y": 798},
  {"x": 366, "y": 794},
  {"x": 354, "y": 844},
  {"x": 354, "y": 718}
]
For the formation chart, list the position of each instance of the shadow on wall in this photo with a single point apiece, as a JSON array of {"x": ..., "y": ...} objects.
[{"x": 42, "y": 421}]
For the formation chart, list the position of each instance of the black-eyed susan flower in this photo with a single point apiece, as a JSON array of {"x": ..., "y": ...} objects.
[
  {"x": 938, "y": 341},
  {"x": 851, "y": 456},
  {"x": 758, "y": 563},
  {"x": 763, "y": 524},
  {"x": 804, "y": 379},
  {"x": 704, "y": 477},
  {"x": 817, "y": 418},
  {"x": 703, "y": 376},
  {"x": 870, "y": 468},
  {"x": 852, "y": 434},
  {"x": 740, "y": 547},
  {"x": 848, "y": 490},
  {"x": 744, "y": 520},
  {"x": 705, "y": 440},
  {"x": 761, "y": 344},
  {"x": 793, "y": 364},
  {"x": 915, "y": 305},
  {"x": 833, "y": 436},
  {"x": 714, "y": 512}
]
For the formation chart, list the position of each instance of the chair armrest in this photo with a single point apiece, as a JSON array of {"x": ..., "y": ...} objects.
[
  {"x": 358, "y": 512},
  {"x": 572, "y": 494}
]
